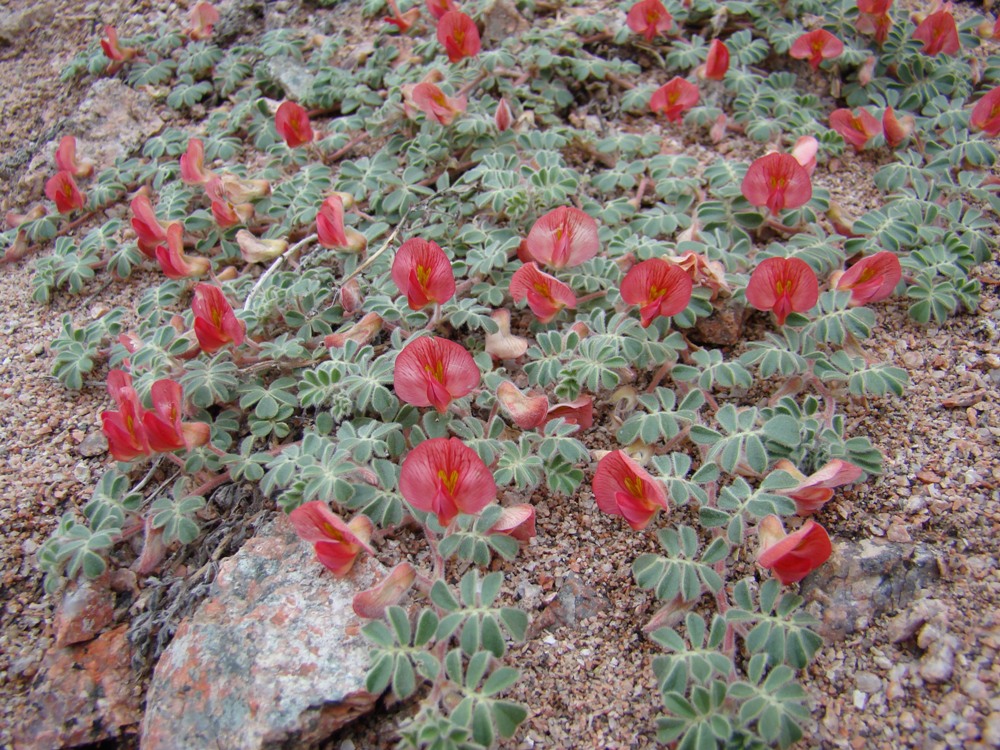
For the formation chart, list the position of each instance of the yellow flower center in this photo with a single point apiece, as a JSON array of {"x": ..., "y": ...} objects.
[{"x": 448, "y": 481}]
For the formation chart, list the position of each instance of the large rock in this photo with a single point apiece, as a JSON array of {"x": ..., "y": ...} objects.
[
  {"x": 865, "y": 580},
  {"x": 273, "y": 658}
]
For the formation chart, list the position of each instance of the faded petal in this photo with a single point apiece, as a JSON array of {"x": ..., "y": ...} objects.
[
  {"x": 528, "y": 412},
  {"x": 372, "y": 603}
]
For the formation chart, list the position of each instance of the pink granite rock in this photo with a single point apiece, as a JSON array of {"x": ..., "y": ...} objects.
[
  {"x": 273, "y": 658},
  {"x": 85, "y": 610}
]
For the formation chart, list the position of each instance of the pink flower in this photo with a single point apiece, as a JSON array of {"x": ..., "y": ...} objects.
[
  {"x": 658, "y": 288},
  {"x": 223, "y": 211},
  {"x": 986, "y": 114},
  {"x": 203, "y": 18},
  {"x": 164, "y": 428},
  {"x": 459, "y": 35},
  {"x": 516, "y": 521},
  {"x": 649, "y": 18},
  {"x": 445, "y": 477},
  {"x": 332, "y": 230},
  {"x": 423, "y": 273},
  {"x": 674, "y": 98},
  {"x": 433, "y": 371},
  {"x": 872, "y": 279},
  {"x": 403, "y": 21},
  {"x": 430, "y": 100},
  {"x": 438, "y": 8},
  {"x": 149, "y": 231},
  {"x": 874, "y": 18},
  {"x": 66, "y": 159},
  {"x": 215, "y": 323},
  {"x": 292, "y": 124},
  {"x": 791, "y": 558},
  {"x": 783, "y": 285},
  {"x": 804, "y": 151},
  {"x": 939, "y": 33},
  {"x": 546, "y": 295},
  {"x": 114, "y": 51},
  {"x": 813, "y": 492},
  {"x": 579, "y": 411},
  {"x": 896, "y": 131},
  {"x": 503, "y": 117},
  {"x": 855, "y": 129},
  {"x": 563, "y": 237},
  {"x": 176, "y": 264},
  {"x": 337, "y": 544},
  {"x": 193, "y": 170},
  {"x": 777, "y": 181},
  {"x": 717, "y": 63},
  {"x": 623, "y": 488},
  {"x": 817, "y": 46},
  {"x": 123, "y": 428},
  {"x": 527, "y": 412},
  {"x": 62, "y": 189}
]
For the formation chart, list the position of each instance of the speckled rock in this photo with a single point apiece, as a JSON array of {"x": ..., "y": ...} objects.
[
  {"x": 82, "y": 694},
  {"x": 865, "y": 580},
  {"x": 271, "y": 659}
]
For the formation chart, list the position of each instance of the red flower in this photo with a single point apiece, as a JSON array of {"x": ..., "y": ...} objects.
[
  {"x": 817, "y": 46},
  {"x": 674, "y": 98},
  {"x": 193, "y": 170},
  {"x": 872, "y": 279},
  {"x": 459, "y": 35},
  {"x": 562, "y": 238},
  {"x": 623, "y": 488},
  {"x": 516, "y": 521},
  {"x": 431, "y": 100},
  {"x": 649, "y": 18},
  {"x": 223, "y": 211},
  {"x": 791, "y": 558},
  {"x": 445, "y": 477},
  {"x": 164, "y": 428},
  {"x": 783, "y": 285},
  {"x": 66, "y": 159},
  {"x": 149, "y": 231},
  {"x": 546, "y": 295},
  {"x": 896, "y": 131},
  {"x": 813, "y": 492},
  {"x": 986, "y": 114},
  {"x": 528, "y": 412},
  {"x": 332, "y": 230},
  {"x": 874, "y": 18},
  {"x": 658, "y": 287},
  {"x": 337, "y": 544},
  {"x": 503, "y": 117},
  {"x": 215, "y": 323},
  {"x": 62, "y": 189},
  {"x": 114, "y": 51},
  {"x": 716, "y": 64},
  {"x": 203, "y": 18},
  {"x": 292, "y": 124},
  {"x": 123, "y": 428},
  {"x": 579, "y": 411},
  {"x": 438, "y": 8},
  {"x": 777, "y": 181},
  {"x": 432, "y": 371},
  {"x": 423, "y": 273},
  {"x": 855, "y": 129},
  {"x": 176, "y": 264},
  {"x": 404, "y": 21},
  {"x": 939, "y": 33}
]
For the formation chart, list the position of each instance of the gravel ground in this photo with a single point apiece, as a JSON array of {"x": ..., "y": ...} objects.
[{"x": 586, "y": 678}]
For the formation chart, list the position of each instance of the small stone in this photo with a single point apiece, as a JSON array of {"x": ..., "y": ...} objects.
[
  {"x": 907, "y": 721},
  {"x": 860, "y": 699},
  {"x": 95, "y": 444},
  {"x": 938, "y": 664},
  {"x": 991, "y": 729},
  {"x": 867, "y": 682},
  {"x": 906, "y": 624}
]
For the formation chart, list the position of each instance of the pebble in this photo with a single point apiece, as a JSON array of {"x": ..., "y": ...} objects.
[
  {"x": 867, "y": 682},
  {"x": 991, "y": 729}
]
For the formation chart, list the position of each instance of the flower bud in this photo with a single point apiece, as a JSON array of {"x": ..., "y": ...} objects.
[
  {"x": 866, "y": 71},
  {"x": 503, "y": 117},
  {"x": 350, "y": 296}
]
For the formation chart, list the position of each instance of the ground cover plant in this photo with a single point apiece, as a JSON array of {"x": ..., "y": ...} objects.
[{"x": 418, "y": 290}]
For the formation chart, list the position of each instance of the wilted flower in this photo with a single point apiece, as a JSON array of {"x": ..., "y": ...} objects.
[
  {"x": 114, "y": 51},
  {"x": 446, "y": 477},
  {"x": 791, "y": 558},
  {"x": 546, "y": 295},
  {"x": 503, "y": 117},
  {"x": 658, "y": 288},
  {"x": 292, "y": 124},
  {"x": 563, "y": 237},
  {"x": 986, "y": 114},
  {"x": 337, "y": 544},
  {"x": 238, "y": 190},
  {"x": 361, "y": 332},
  {"x": 896, "y": 130},
  {"x": 813, "y": 492},
  {"x": 516, "y": 521},
  {"x": 867, "y": 70},
  {"x": 176, "y": 264},
  {"x": 432, "y": 371},
  {"x": 783, "y": 285},
  {"x": 649, "y": 18},
  {"x": 61, "y": 188},
  {"x": 855, "y": 129},
  {"x": 528, "y": 412},
  {"x": 777, "y": 181},
  {"x": 804, "y": 151},
  {"x": 874, "y": 18},
  {"x": 215, "y": 323},
  {"x": 193, "y": 170},
  {"x": 225, "y": 213},
  {"x": 703, "y": 272},
  {"x": 372, "y": 603},
  {"x": 203, "y": 18},
  {"x": 871, "y": 279},
  {"x": 623, "y": 488},
  {"x": 939, "y": 33},
  {"x": 817, "y": 46},
  {"x": 350, "y": 296},
  {"x": 503, "y": 344},
  {"x": 149, "y": 231},
  {"x": 674, "y": 98},
  {"x": 164, "y": 428},
  {"x": 332, "y": 230},
  {"x": 256, "y": 250},
  {"x": 66, "y": 159},
  {"x": 433, "y": 102},
  {"x": 716, "y": 64},
  {"x": 422, "y": 272},
  {"x": 459, "y": 35},
  {"x": 579, "y": 411},
  {"x": 402, "y": 21}
]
